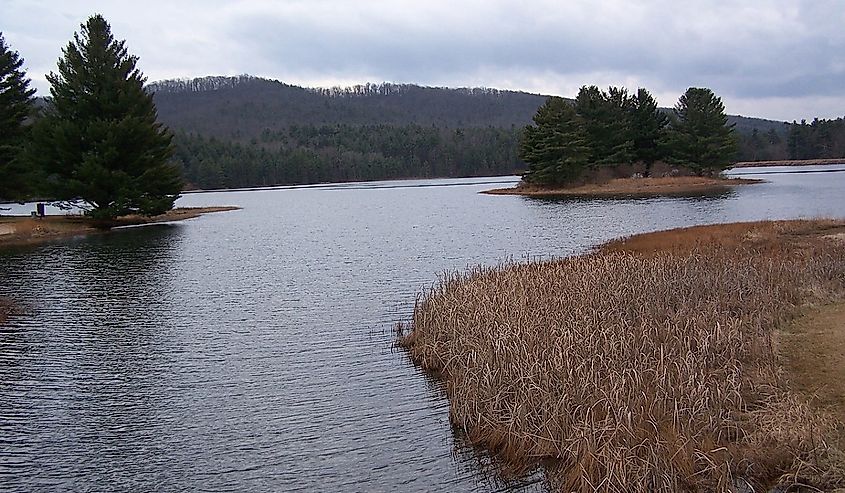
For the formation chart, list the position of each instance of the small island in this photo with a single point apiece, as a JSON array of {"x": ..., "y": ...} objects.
[{"x": 610, "y": 143}]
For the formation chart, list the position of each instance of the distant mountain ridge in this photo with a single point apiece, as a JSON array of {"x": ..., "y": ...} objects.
[
  {"x": 246, "y": 106},
  {"x": 242, "y": 107}
]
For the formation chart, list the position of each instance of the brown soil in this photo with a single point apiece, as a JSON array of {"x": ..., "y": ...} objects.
[
  {"x": 17, "y": 230},
  {"x": 631, "y": 187}
]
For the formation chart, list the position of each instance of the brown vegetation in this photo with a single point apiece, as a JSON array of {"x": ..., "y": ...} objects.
[
  {"x": 649, "y": 365},
  {"x": 627, "y": 187},
  {"x": 7, "y": 308},
  {"x": 789, "y": 162},
  {"x": 813, "y": 350},
  {"x": 18, "y": 230}
]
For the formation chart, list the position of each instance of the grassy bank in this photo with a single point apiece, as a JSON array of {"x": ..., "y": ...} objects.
[
  {"x": 652, "y": 364},
  {"x": 23, "y": 230},
  {"x": 627, "y": 187}
]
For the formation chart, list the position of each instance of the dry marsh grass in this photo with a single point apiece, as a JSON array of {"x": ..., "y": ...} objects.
[{"x": 649, "y": 368}]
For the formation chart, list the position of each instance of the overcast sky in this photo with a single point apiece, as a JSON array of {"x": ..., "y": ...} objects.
[{"x": 779, "y": 59}]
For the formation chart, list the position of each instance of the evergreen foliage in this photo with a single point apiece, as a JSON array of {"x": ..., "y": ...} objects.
[
  {"x": 310, "y": 134},
  {"x": 555, "y": 147},
  {"x": 16, "y": 105},
  {"x": 606, "y": 122},
  {"x": 99, "y": 141},
  {"x": 820, "y": 139},
  {"x": 701, "y": 138},
  {"x": 648, "y": 124},
  {"x": 303, "y": 154},
  {"x": 612, "y": 128}
]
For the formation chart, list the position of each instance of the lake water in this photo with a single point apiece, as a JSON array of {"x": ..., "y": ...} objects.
[{"x": 251, "y": 350}]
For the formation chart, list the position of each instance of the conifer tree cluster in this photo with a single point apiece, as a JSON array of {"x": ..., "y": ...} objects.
[
  {"x": 97, "y": 143},
  {"x": 16, "y": 105},
  {"x": 612, "y": 128}
]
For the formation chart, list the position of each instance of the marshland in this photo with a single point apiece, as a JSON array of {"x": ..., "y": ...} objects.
[
  {"x": 650, "y": 365},
  {"x": 255, "y": 349}
]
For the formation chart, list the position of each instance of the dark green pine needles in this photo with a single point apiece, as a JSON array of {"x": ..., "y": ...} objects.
[
  {"x": 16, "y": 100},
  {"x": 99, "y": 141}
]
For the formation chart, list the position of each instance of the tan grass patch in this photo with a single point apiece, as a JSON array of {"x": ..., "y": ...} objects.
[{"x": 648, "y": 366}]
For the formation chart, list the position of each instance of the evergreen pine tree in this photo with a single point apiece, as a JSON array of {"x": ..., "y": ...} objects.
[
  {"x": 701, "y": 138},
  {"x": 606, "y": 121},
  {"x": 99, "y": 141},
  {"x": 555, "y": 147},
  {"x": 16, "y": 100},
  {"x": 648, "y": 125}
]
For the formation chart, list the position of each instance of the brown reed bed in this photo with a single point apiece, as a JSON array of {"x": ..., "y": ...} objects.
[{"x": 649, "y": 365}]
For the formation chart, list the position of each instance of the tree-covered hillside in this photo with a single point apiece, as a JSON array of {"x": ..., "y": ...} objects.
[
  {"x": 249, "y": 131},
  {"x": 336, "y": 153},
  {"x": 244, "y": 106}
]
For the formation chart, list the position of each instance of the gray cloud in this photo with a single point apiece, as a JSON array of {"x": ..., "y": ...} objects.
[{"x": 770, "y": 52}]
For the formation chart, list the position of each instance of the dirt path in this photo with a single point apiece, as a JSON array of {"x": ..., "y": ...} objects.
[{"x": 813, "y": 352}]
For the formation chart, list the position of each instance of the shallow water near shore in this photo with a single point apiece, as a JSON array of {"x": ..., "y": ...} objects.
[{"x": 252, "y": 349}]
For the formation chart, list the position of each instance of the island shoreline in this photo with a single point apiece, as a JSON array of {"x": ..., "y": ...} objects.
[{"x": 631, "y": 187}]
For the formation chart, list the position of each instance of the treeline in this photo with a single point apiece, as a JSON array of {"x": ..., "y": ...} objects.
[
  {"x": 604, "y": 130},
  {"x": 303, "y": 154},
  {"x": 217, "y": 83},
  {"x": 238, "y": 108},
  {"x": 819, "y": 139}
]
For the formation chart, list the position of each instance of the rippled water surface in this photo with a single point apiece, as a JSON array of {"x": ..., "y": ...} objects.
[{"x": 251, "y": 350}]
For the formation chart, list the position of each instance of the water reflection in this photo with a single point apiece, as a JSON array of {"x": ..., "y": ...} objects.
[
  {"x": 699, "y": 195},
  {"x": 86, "y": 358}
]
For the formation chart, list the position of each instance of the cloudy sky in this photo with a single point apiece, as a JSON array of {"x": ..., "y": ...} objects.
[{"x": 779, "y": 59}]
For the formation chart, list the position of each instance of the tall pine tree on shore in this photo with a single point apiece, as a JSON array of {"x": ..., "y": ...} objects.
[
  {"x": 16, "y": 105},
  {"x": 99, "y": 141}
]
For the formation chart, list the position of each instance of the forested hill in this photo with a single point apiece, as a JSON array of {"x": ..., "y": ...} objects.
[
  {"x": 248, "y": 131},
  {"x": 245, "y": 106}
]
